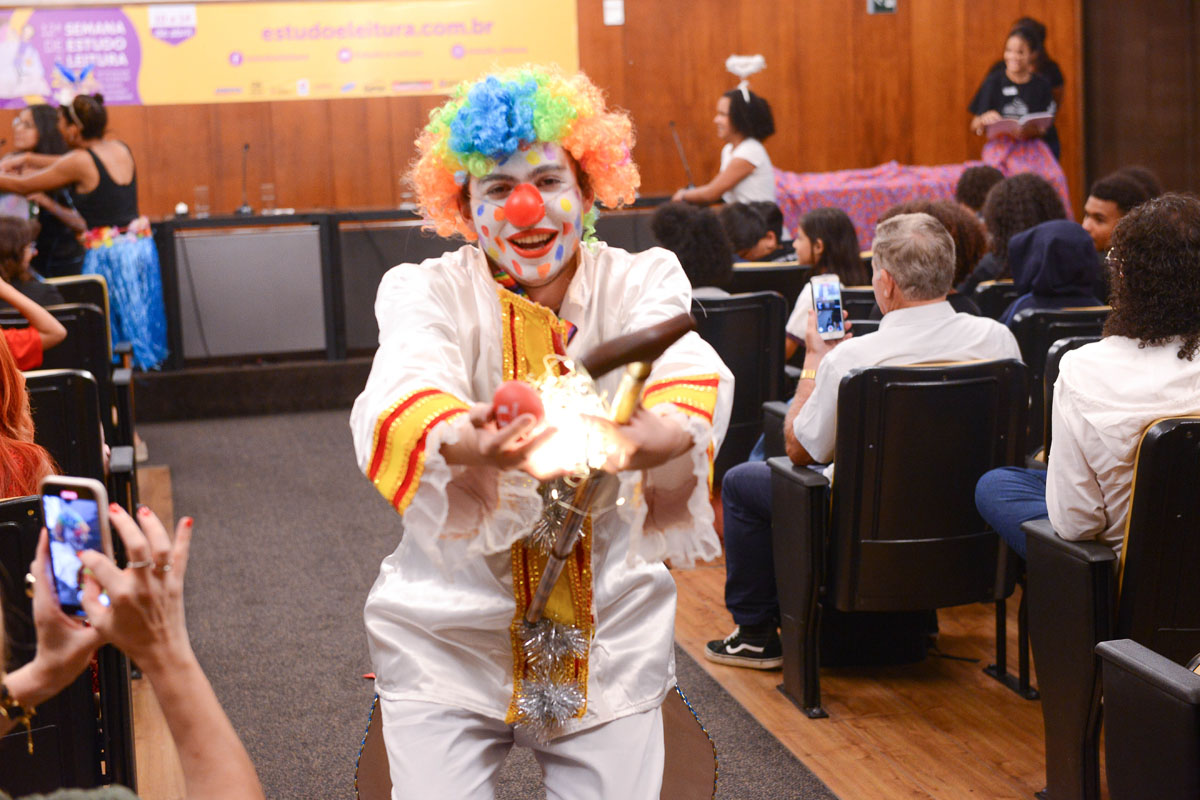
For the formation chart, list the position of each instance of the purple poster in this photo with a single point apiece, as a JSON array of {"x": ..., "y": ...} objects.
[{"x": 59, "y": 53}]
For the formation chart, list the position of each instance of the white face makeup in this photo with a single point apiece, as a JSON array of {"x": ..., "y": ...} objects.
[{"x": 528, "y": 213}]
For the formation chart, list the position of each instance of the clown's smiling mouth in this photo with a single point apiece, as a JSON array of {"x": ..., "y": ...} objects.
[{"x": 533, "y": 243}]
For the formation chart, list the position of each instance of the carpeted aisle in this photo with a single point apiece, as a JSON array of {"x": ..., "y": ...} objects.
[{"x": 288, "y": 540}]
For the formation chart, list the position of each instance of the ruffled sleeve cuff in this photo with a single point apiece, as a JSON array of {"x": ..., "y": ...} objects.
[
  {"x": 451, "y": 512},
  {"x": 675, "y": 519}
]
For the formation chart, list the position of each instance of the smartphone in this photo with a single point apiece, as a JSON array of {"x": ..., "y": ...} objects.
[
  {"x": 76, "y": 514},
  {"x": 827, "y": 304}
]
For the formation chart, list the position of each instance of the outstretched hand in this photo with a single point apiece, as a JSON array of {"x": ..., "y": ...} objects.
[
  {"x": 487, "y": 443},
  {"x": 145, "y": 613},
  {"x": 648, "y": 440}
]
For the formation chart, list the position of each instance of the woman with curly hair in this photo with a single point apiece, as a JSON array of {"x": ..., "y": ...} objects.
[
  {"x": 1108, "y": 393},
  {"x": 23, "y": 463},
  {"x": 1013, "y": 205}
]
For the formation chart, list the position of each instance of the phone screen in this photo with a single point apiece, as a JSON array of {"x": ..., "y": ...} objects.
[
  {"x": 73, "y": 523},
  {"x": 827, "y": 301}
]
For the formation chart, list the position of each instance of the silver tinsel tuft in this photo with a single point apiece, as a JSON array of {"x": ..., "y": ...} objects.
[
  {"x": 544, "y": 706},
  {"x": 557, "y": 497},
  {"x": 549, "y": 644}
]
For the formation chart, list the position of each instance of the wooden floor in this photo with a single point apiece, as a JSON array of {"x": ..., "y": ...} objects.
[{"x": 938, "y": 729}]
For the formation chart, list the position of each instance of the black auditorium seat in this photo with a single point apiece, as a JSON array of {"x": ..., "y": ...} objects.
[
  {"x": 88, "y": 347},
  {"x": 746, "y": 330},
  {"x": 1151, "y": 724},
  {"x": 1081, "y": 593},
  {"x": 859, "y": 565},
  {"x": 786, "y": 277},
  {"x": 1036, "y": 330},
  {"x": 994, "y": 297},
  {"x": 66, "y": 418},
  {"x": 1054, "y": 358}
]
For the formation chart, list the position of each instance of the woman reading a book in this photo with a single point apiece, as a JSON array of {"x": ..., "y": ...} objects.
[{"x": 1015, "y": 93}]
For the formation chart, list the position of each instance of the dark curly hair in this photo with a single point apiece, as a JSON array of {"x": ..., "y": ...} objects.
[
  {"x": 15, "y": 235},
  {"x": 1145, "y": 177},
  {"x": 1120, "y": 188},
  {"x": 747, "y": 223},
  {"x": 840, "y": 256},
  {"x": 1017, "y": 204},
  {"x": 1155, "y": 256},
  {"x": 974, "y": 183},
  {"x": 970, "y": 242},
  {"x": 694, "y": 234},
  {"x": 752, "y": 118}
]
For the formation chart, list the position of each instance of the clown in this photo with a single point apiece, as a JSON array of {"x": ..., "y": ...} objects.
[{"x": 514, "y": 163}]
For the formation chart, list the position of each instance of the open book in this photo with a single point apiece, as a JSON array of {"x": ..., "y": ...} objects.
[{"x": 1026, "y": 127}]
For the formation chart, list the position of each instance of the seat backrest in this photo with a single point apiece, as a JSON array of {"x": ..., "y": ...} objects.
[
  {"x": 1151, "y": 724},
  {"x": 911, "y": 444},
  {"x": 89, "y": 289},
  {"x": 1159, "y": 605},
  {"x": 67, "y": 749},
  {"x": 994, "y": 297},
  {"x": 66, "y": 419},
  {"x": 1054, "y": 358},
  {"x": 786, "y": 277},
  {"x": 862, "y": 327},
  {"x": 1036, "y": 329},
  {"x": 746, "y": 330},
  {"x": 857, "y": 301},
  {"x": 86, "y": 345}
]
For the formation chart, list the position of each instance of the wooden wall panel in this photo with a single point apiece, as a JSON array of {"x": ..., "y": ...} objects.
[{"x": 848, "y": 89}]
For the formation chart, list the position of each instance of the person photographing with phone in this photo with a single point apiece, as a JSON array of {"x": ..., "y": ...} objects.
[
  {"x": 912, "y": 270},
  {"x": 140, "y": 610}
]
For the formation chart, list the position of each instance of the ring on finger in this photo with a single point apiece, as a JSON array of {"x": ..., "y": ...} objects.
[
  {"x": 30, "y": 580},
  {"x": 145, "y": 562},
  {"x": 163, "y": 568}
]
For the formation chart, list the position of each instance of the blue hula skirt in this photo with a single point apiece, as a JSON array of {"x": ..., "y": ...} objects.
[{"x": 129, "y": 263}]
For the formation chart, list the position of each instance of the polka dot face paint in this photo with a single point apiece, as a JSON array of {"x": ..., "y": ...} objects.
[{"x": 528, "y": 213}]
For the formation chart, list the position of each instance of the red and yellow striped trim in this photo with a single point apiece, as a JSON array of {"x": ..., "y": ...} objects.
[
  {"x": 398, "y": 447},
  {"x": 695, "y": 395}
]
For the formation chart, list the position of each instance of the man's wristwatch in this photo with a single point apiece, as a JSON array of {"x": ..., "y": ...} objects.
[{"x": 808, "y": 374}]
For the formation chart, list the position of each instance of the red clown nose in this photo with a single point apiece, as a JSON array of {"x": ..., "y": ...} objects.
[{"x": 524, "y": 206}]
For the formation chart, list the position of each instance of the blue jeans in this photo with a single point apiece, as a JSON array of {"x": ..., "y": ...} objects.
[
  {"x": 749, "y": 557},
  {"x": 1009, "y": 496}
]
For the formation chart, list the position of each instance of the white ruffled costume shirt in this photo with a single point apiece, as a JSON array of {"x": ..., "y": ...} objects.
[{"x": 439, "y": 613}]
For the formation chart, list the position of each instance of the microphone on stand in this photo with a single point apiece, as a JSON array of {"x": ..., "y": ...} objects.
[
  {"x": 679, "y": 148},
  {"x": 244, "y": 209}
]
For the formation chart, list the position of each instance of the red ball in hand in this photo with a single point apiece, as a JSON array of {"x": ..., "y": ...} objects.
[{"x": 513, "y": 399}]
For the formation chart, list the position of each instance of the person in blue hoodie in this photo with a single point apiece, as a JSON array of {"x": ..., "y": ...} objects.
[{"x": 1053, "y": 266}]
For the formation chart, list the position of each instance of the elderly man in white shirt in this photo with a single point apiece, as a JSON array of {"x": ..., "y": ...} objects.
[
  {"x": 912, "y": 271},
  {"x": 1109, "y": 392}
]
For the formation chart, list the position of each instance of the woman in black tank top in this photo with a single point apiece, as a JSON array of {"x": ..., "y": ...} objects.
[{"x": 117, "y": 242}]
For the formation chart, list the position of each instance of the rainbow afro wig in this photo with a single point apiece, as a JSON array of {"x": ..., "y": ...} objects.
[{"x": 486, "y": 121}]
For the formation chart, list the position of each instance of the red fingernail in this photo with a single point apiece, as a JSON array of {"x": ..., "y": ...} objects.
[
  {"x": 144, "y": 511},
  {"x": 187, "y": 522},
  {"x": 113, "y": 508}
]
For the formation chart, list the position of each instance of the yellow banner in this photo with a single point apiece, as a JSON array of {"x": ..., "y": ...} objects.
[{"x": 243, "y": 52}]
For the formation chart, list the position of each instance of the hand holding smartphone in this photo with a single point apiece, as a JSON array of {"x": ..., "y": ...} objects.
[
  {"x": 76, "y": 516},
  {"x": 827, "y": 305}
]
